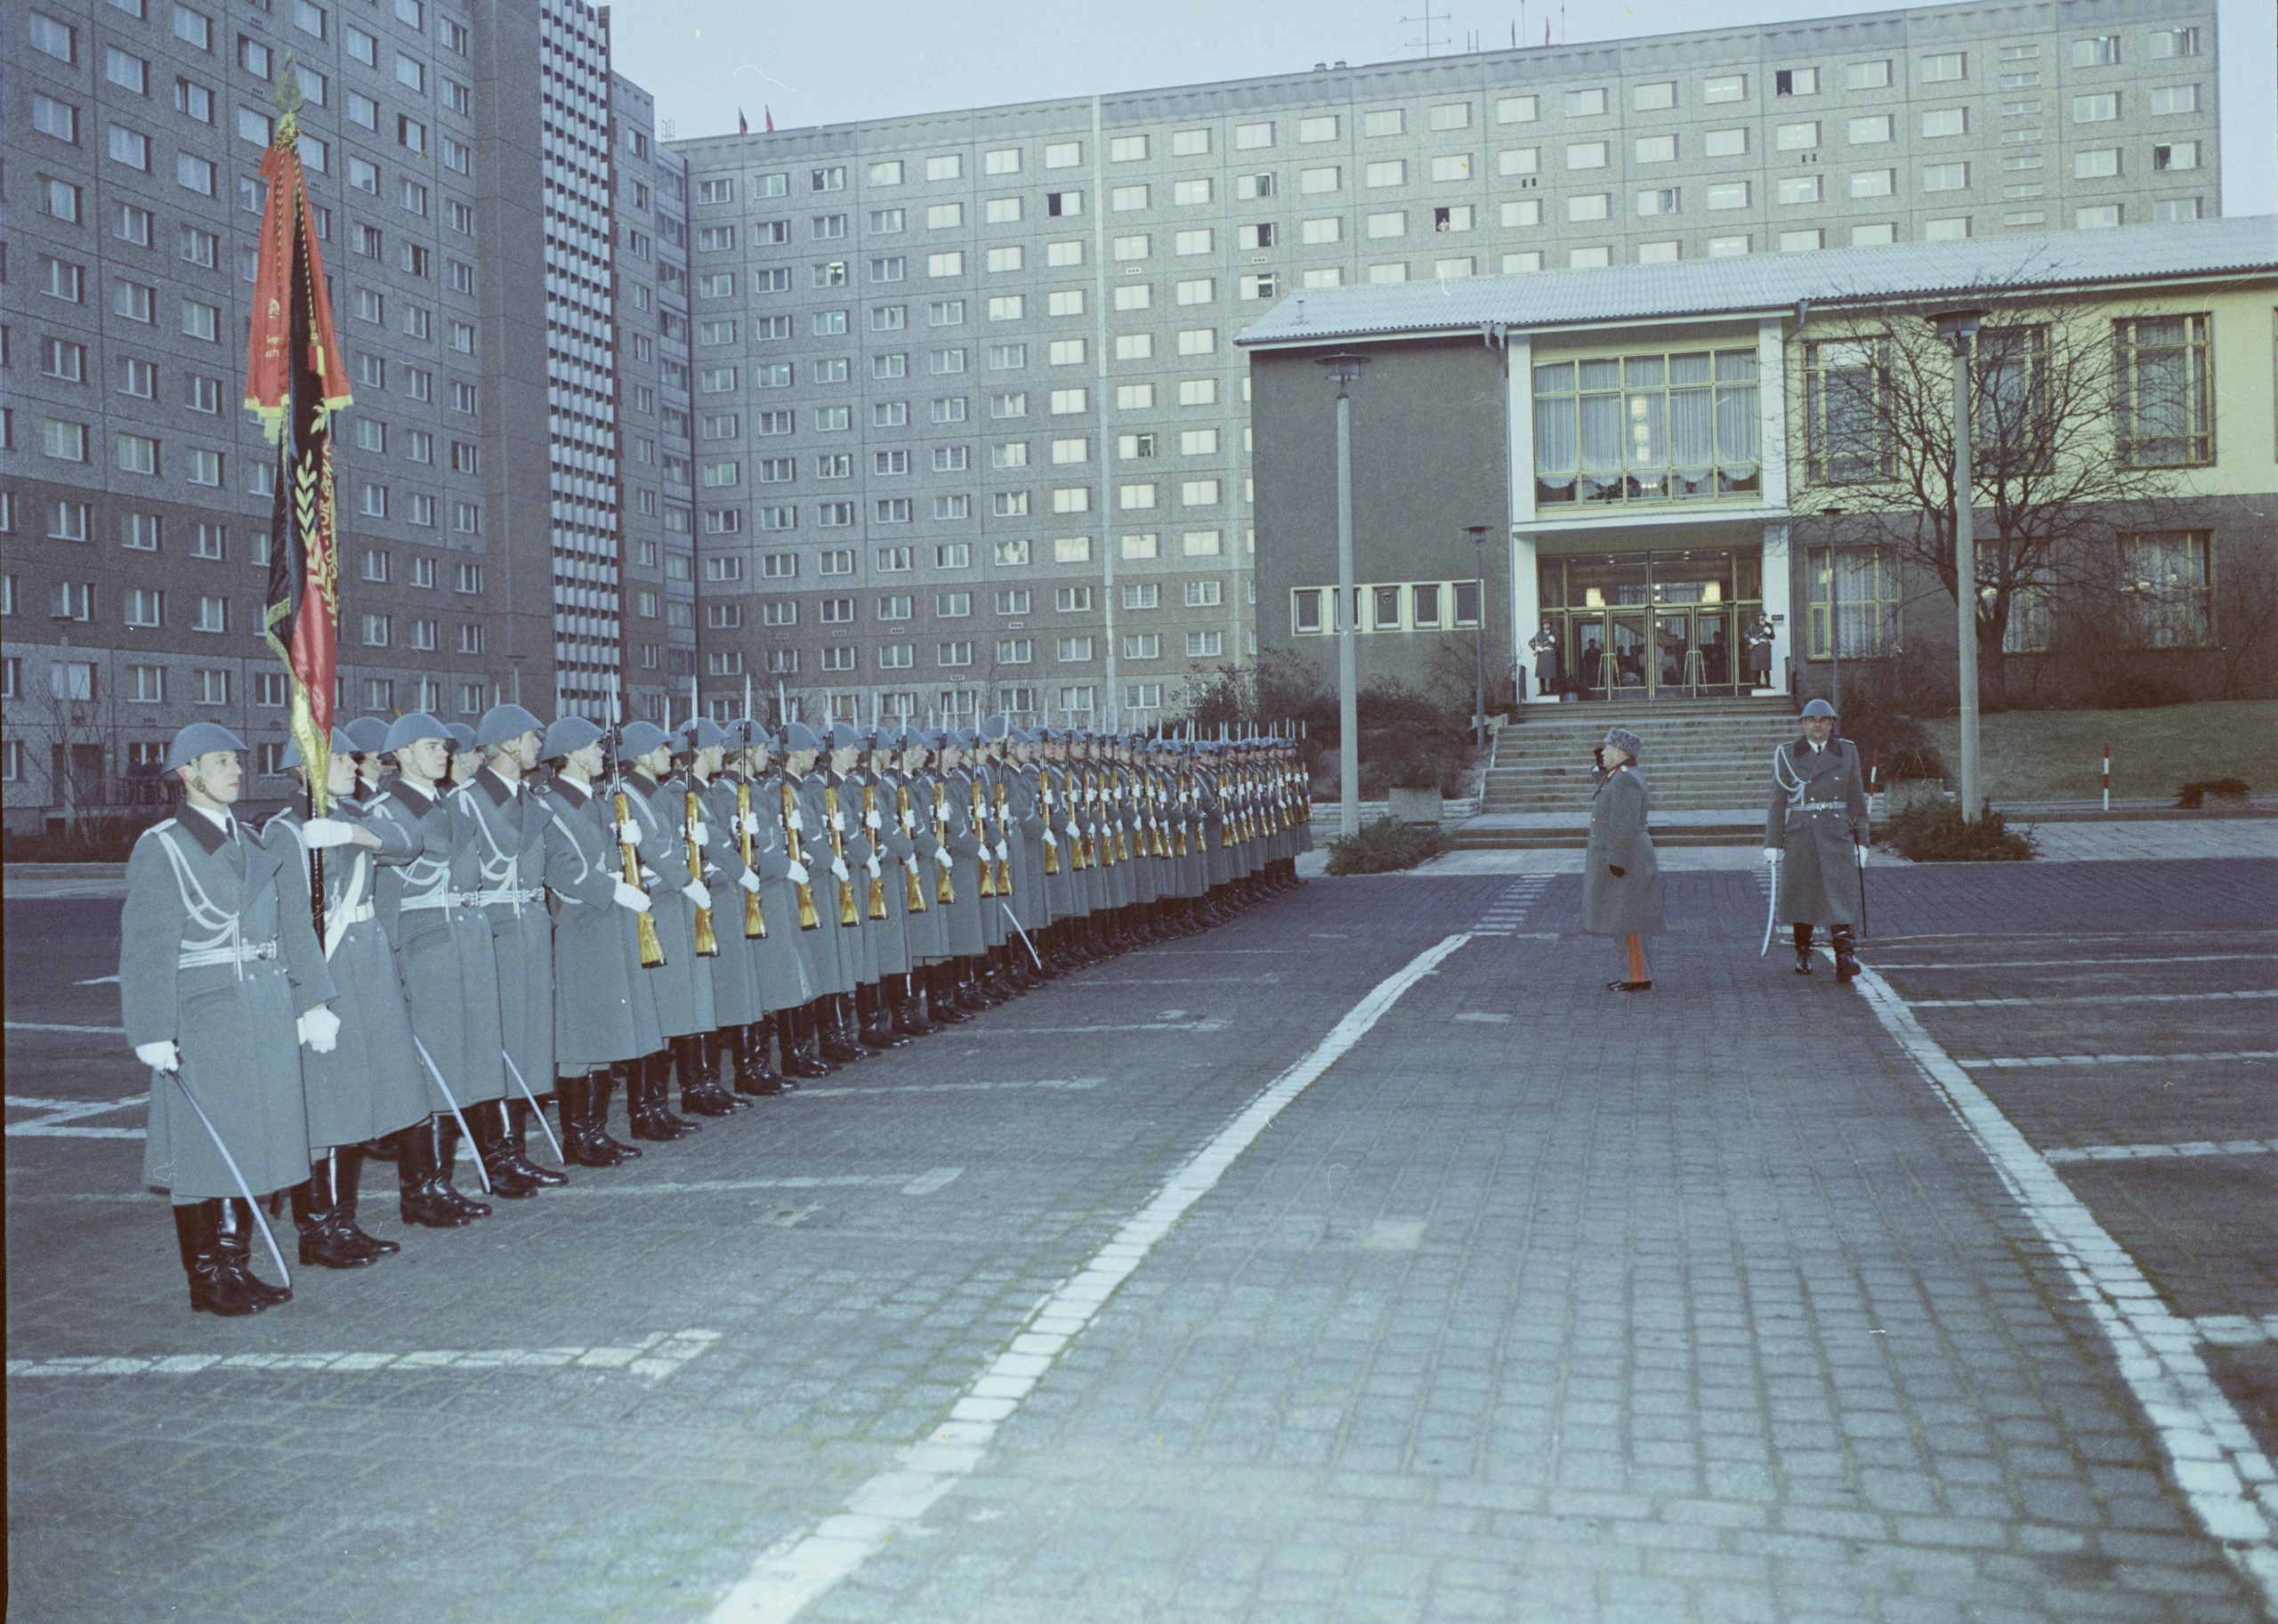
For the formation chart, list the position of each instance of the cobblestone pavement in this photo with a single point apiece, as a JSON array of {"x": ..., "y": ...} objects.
[{"x": 1537, "y": 1303}]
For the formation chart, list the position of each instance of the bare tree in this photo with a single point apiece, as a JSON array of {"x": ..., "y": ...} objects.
[{"x": 2082, "y": 416}]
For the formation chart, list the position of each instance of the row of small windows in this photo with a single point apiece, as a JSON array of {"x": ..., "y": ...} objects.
[
  {"x": 1583, "y": 102},
  {"x": 954, "y": 653}
]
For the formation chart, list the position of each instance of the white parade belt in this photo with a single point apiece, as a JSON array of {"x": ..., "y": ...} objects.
[
  {"x": 500, "y": 899},
  {"x": 437, "y": 900},
  {"x": 229, "y": 953},
  {"x": 357, "y": 914},
  {"x": 1819, "y": 806}
]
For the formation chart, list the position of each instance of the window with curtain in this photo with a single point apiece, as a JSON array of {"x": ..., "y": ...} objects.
[
  {"x": 2168, "y": 582},
  {"x": 1846, "y": 409},
  {"x": 1859, "y": 601},
  {"x": 1668, "y": 427},
  {"x": 2165, "y": 390}
]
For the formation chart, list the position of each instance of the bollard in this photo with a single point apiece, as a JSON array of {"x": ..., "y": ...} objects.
[{"x": 2107, "y": 776}]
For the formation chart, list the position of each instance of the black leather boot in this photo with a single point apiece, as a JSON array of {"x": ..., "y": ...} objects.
[
  {"x": 233, "y": 1226},
  {"x": 447, "y": 1162},
  {"x": 214, "y": 1286},
  {"x": 585, "y": 1139},
  {"x": 1802, "y": 949},
  {"x": 907, "y": 1019},
  {"x": 329, "y": 1239},
  {"x": 645, "y": 1096},
  {"x": 942, "y": 1006},
  {"x": 754, "y": 1076},
  {"x": 347, "y": 1190},
  {"x": 798, "y": 1061},
  {"x": 1847, "y": 954},
  {"x": 418, "y": 1189},
  {"x": 700, "y": 1093},
  {"x": 518, "y": 1143},
  {"x": 831, "y": 1029},
  {"x": 878, "y": 1031},
  {"x": 605, "y": 1086},
  {"x": 488, "y": 1120}
]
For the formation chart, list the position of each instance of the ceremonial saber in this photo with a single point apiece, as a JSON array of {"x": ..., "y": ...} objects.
[
  {"x": 535, "y": 1109},
  {"x": 436, "y": 1072},
  {"x": 1025, "y": 943},
  {"x": 1861, "y": 853},
  {"x": 1771, "y": 907},
  {"x": 231, "y": 1162}
]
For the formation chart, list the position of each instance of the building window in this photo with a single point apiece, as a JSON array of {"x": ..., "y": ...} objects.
[
  {"x": 2166, "y": 391},
  {"x": 1865, "y": 597},
  {"x": 1653, "y": 428},
  {"x": 2167, "y": 582}
]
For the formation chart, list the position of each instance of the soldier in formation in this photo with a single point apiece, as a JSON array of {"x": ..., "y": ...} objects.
[{"x": 520, "y": 913}]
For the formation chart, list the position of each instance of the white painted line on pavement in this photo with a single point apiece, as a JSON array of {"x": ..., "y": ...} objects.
[
  {"x": 98, "y": 980},
  {"x": 793, "y": 1572},
  {"x": 53, "y": 1026},
  {"x": 2165, "y": 1152},
  {"x": 61, "y": 1119},
  {"x": 2093, "y": 997},
  {"x": 655, "y": 1356},
  {"x": 924, "y": 1183},
  {"x": 2236, "y": 1330},
  {"x": 894, "y": 1090},
  {"x": 1204, "y": 1023},
  {"x": 2213, "y": 1457},
  {"x": 2006, "y": 1063},
  {"x": 2084, "y": 964}
]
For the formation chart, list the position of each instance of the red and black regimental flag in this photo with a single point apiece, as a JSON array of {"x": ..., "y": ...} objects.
[{"x": 294, "y": 382}]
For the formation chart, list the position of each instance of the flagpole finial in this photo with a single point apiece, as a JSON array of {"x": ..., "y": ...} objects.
[{"x": 289, "y": 98}]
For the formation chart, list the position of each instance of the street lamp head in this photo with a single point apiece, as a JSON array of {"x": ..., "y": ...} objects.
[
  {"x": 1478, "y": 534},
  {"x": 1955, "y": 325},
  {"x": 1343, "y": 368}
]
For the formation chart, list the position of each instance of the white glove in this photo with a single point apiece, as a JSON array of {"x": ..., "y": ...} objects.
[
  {"x": 748, "y": 824},
  {"x": 870, "y": 819},
  {"x": 628, "y": 832},
  {"x": 631, "y": 897},
  {"x": 1049, "y": 840},
  {"x": 648, "y": 875},
  {"x": 319, "y": 1029},
  {"x": 323, "y": 833},
  {"x": 872, "y": 865},
  {"x": 1073, "y": 832},
  {"x": 1118, "y": 827},
  {"x": 792, "y": 821},
  {"x": 1773, "y": 855},
  {"x": 838, "y": 868},
  {"x": 695, "y": 892},
  {"x": 942, "y": 856},
  {"x": 796, "y": 873},
  {"x": 748, "y": 881},
  {"x": 838, "y": 823},
  {"x": 1004, "y": 854},
  {"x": 703, "y": 833},
  {"x": 160, "y": 1056},
  {"x": 910, "y": 862}
]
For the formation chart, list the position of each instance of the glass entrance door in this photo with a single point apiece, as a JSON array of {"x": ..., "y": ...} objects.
[{"x": 1652, "y": 625}]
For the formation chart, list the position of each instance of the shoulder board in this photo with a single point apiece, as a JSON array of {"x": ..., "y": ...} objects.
[{"x": 159, "y": 827}]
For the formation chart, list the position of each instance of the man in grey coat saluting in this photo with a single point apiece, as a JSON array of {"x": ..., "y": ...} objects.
[
  {"x": 1814, "y": 834},
  {"x": 1621, "y": 877}
]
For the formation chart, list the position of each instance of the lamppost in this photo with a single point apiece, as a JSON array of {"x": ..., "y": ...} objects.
[
  {"x": 1958, "y": 327},
  {"x": 1478, "y": 534},
  {"x": 1834, "y": 615},
  {"x": 1344, "y": 370}
]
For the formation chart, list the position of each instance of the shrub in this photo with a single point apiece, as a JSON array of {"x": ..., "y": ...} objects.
[
  {"x": 1934, "y": 831},
  {"x": 1385, "y": 846},
  {"x": 2195, "y": 794},
  {"x": 1891, "y": 739}
]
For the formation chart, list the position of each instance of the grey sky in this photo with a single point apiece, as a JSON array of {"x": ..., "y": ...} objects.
[{"x": 871, "y": 59}]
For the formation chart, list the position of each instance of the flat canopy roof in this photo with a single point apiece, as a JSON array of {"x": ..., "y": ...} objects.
[{"x": 1976, "y": 266}]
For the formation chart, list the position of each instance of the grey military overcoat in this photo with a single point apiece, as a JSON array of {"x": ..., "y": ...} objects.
[
  {"x": 682, "y": 985},
  {"x": 369, "y": 1085},
  {"x": 192, "y": 890},
  {"x": 1616, "y": 905},
  {"x": 508, "y": 823},
  {"x": 1817, "y": 812},
  {"x": 450, "y": 972},
  {"x": 604, "y": 1011}
]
